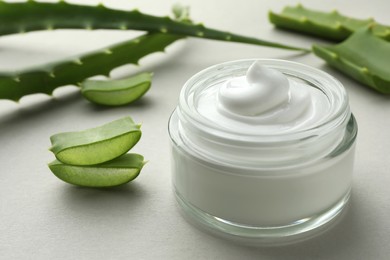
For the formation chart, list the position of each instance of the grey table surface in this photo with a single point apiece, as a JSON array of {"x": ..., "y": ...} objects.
[{"x": 42, "y": 217}]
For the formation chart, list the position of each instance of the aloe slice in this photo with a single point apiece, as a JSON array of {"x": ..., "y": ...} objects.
[
  {"x": 116, "y": 172},
  {"x": 116, "y": 92},
  {"x": 96, "y": 145},
  {"x": 331, "y": 25},
  {"x": 363, "y": 56}
]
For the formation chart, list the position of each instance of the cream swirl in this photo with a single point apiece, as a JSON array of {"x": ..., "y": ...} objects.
[
  {"x": 264, "y": 101},
  {"x": 261, "y": 90}
]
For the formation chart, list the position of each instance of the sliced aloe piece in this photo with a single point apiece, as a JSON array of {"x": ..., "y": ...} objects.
[
  {"x": 363, "y": 56},
  {"x": 116, "y": 172},
  {"x": 331, "y": 25},
  {"x": 116, "y": 92},
  {"x": 96, "y": 145}
]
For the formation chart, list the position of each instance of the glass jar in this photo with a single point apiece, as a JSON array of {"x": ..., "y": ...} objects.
[{"x": 262, "y": 188}]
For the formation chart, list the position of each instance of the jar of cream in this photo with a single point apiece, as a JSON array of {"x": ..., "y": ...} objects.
[{"x": 262, "y": 150}]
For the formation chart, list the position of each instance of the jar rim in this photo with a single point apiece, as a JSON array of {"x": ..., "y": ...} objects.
[{"x": 333, "y": 89}]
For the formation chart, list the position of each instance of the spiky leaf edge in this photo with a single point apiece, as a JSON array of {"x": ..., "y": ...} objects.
[
  {"x": 359, "y": 72},
  {"x": 337, "y": 28},
  {"x": 33, "y": 16},
  {"x": 46, "y": 78}
]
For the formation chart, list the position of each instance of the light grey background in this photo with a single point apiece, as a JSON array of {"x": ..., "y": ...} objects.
[{"x": 43, "y": 218}]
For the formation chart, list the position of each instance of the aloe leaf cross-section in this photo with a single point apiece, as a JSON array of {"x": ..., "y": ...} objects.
[
  {"x": 96, "y": 145},
  {"x": 115, "y": 172},
  {"x": 116, "y": 92}
]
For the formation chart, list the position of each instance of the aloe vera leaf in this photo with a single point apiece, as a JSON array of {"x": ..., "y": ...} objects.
[
  {"x": 32, "y": 16},
  {"x": 331, "y": 25},
  {"x": 362, "y": 56},
  {"x": 46, "y": 78},
  {"x": 96, "y": 145},
  {"x": 116, "y": 92},
  {"x": 115, "y": 172}
]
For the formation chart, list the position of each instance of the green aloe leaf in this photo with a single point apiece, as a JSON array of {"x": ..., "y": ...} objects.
[
  {"x": 96, "y": 145},
  {"x": 162, "y": 31},
  {"x": 32, "y": 16},
  {"x": 46, "y": 78},
  {"x": 116, "y": 92},
  {"x": 331, "y": 25},
  {"x": 363, "y": 56},
  {"x": 116, "y": 172}
]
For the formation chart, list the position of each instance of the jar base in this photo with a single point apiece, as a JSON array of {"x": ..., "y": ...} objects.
[{"x": 264, "y": 236}]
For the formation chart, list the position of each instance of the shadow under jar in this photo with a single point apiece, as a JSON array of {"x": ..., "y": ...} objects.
[{"x": 262, "y": 187}]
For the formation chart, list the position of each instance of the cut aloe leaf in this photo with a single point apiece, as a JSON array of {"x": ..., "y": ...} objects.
[
  {"x": 116, "y": 92},
  {"x": 33, "y": 16},
  {"x": 363, "y": 56},
  {"x": 46, "y": 78},
  {"x": 116, "y": 172},
  {"x": 331, "y": 25},
  {"x": 96, "y": 145}
]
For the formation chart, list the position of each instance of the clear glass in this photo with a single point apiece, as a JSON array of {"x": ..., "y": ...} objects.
[{"x": 269, "y": 188}]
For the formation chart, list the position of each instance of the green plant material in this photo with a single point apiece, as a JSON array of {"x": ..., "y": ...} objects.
[
  {"x": 46, "y": 78},
  {"x": 32, "y": 16},
  {"x": 363, "y": 56},
  {"x": 97, "y": 157},
  {"x": 116, "y": 92},
  {"x": 116, "y": 172},
  {"x": 332, "y": 25},
  {"x": 96, "y": 145},
  {"x": 19, "y": 17}
]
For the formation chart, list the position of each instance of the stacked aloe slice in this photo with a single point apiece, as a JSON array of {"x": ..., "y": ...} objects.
[
  {"x": 364, "y": 53},
  {"x": 98, "y": 157}
]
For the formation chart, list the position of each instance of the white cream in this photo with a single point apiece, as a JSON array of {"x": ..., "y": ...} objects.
[
  {"x": 262, "y": 90},
  {"x": 262, "y": 151},
  {"x": 263, "y": 101}
]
